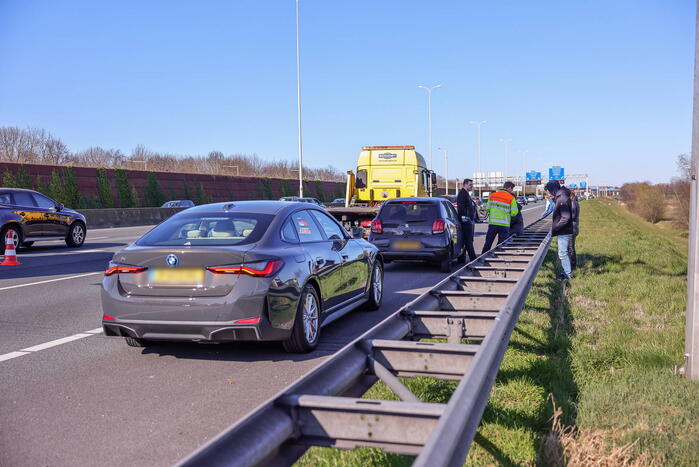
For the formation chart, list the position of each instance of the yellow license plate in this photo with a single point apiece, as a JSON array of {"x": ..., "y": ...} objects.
[
  {"x": 177, "y": 276},
  {"x": 406, "y": 245}
]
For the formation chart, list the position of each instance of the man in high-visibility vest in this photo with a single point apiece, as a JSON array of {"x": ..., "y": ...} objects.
[{"x": 502, "y": 206}]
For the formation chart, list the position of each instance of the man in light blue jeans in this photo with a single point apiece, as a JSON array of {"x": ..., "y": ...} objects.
[
  {"x": 562, "y": 224},
  {"x": 564, "y": 256}
]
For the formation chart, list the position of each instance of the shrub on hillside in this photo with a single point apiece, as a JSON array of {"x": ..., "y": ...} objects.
[
  {"x": 649, "y": 202},
  {"x": 104, "y": 190}
]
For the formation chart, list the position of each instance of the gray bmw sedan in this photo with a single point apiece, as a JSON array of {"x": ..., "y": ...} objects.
[{"x": 248, "y": 270}]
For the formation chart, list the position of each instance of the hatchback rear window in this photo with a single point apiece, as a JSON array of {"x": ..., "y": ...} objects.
[
  {"x": 409, "y": 212},
  {"x": 208, "y": 229}
]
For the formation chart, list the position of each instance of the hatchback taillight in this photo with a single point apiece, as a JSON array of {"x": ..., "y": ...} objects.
[
  {"x": 257, "y": 269},
  {"x": 438, "y": 226},
  {"x": 376, "y": 226}
]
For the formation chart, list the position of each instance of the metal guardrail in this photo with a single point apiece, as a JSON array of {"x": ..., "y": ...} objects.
[{"x": 480, "y": 303}]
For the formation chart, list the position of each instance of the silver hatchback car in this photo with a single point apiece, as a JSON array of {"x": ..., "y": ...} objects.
[{"x": 249, "y": 270}]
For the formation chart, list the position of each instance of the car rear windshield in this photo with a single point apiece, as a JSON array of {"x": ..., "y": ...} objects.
[
  {"x": 407, "y": 212},
  {"x": 202, "y": 229}
]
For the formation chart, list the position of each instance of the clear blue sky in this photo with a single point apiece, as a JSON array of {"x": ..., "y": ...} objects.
[{"x": 598, "y": 86}]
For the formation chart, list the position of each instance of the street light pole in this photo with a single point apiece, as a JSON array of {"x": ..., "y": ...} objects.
[
  {"x": 478, "y": 151},
  {"x": 524, "y": 172},
  {"x": 446, "y": 169},
  {"x": 429, "y": 116},
  {"x": 298, "y": 101},
  {"x": 691, "y": 342}
]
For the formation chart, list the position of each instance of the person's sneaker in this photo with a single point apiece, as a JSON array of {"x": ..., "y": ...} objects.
[{"x": 564, "y": 277}]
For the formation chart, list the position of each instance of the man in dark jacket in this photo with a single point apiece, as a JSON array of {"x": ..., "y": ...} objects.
[
  {"x": 562, "y": 226},
  {"x": 575, "y": 214},
  {"x": 467, "y": 215}
]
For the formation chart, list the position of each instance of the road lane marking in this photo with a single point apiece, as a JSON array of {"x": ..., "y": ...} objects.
[
  {"x": 11, "y": 355},
  {"x": 50, "y": 344},
  {"x": 49, "y": 280},
  {"x": 54, "y": 343}
]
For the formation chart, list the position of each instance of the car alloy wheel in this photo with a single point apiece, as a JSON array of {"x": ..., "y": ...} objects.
[
  {"x": 310, "y": 318},
  {"x": 78, "y": 234},
  {"x": 377, "y": 283}
]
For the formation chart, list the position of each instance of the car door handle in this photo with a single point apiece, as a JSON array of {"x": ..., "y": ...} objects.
[
  {"x": 319, "y": 261},
  {"x": 345, "y": 258}
]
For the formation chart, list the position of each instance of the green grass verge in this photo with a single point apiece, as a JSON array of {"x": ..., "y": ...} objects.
[{"x": 602, "y": 349}]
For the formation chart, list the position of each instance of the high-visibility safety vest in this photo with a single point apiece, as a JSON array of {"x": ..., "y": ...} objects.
[{"x": 502, "y": 206}]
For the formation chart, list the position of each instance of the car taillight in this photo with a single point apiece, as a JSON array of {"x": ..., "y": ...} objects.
[
  {"x": 108, "y": 318},
  {"x": 438, "y": 226},
  {"x": 376, "y": 226},
  {"x": 257, "y": 269},
  {"x": 118, "y": 269}
]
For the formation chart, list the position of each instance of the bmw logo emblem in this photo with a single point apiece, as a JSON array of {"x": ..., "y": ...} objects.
[{"x": 172, "y": 260}]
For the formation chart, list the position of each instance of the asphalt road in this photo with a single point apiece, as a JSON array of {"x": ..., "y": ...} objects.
[{"x": 71, "y": 396}]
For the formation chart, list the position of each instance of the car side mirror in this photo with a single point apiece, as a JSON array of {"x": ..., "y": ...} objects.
[
  {"x": 59, "y": 207},
  {"x": 339, "y": 244}
]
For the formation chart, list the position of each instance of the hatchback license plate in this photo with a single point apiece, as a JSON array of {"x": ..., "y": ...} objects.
[
  {"x": 406, "y": 245},
  {"x": 177, "y": 276}
]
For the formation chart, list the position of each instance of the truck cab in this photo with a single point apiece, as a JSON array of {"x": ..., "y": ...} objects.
[{"x": 388, "y": 172}]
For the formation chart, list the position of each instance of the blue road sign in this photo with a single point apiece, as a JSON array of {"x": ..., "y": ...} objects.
[
  {"x": 583, "y": 184},
  {"x": 557, "y": 173},
  {"x": 533, "y": 175},
  {"x": 572, "y": 185}
]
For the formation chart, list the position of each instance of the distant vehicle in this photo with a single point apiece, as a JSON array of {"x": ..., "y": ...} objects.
[
  {"x": 337, "y": 202},
  {"x": 178, "y": 203},
  {"x": 451, "y": 199},
  {"x": 242, "y": 271},
  {"x": 477, "y": 200},
  {"x": 425, "y": 229},
  {"x": 522, "y": 200},
  {"x": 539, "y": 197},
  {"x": 532, "y": 199},
  {"x": 28, "y": 216},
  {"x": 296, "y": 199}
]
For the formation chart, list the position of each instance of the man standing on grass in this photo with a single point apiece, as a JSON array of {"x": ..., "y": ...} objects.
[
  {"x": 467, "y": 215},
  {"x": 502, "y": 206},
  {"x": 575, "y": 214},
  {"x": 562, "y": 226}
]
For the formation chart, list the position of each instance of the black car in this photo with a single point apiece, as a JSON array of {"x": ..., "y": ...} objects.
[
  {"x": 248, "y": 270},
  {"x": 424, "y": 229},
  {"x": 32, "y": 217},
  {"x": 178, "y": 203}
]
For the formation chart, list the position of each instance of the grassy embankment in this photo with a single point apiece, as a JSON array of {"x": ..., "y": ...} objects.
[{"x": 602, "y": 350}]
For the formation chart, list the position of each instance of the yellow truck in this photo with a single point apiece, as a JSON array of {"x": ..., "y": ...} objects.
[
  {"x": 387, "y": 172},
  {"x": 383, "y": 173}
]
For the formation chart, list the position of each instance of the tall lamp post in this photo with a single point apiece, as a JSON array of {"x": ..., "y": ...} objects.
[
  {"x": 691, "y": 342},
  {"x": 478, "y": 152},
  {"x": 446, "y": 169},
  {"x": 429, "y": 116},
  {"x": 298, "y": 101}
]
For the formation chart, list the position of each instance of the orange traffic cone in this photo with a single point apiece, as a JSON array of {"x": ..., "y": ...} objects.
[{"x": 10, "y": 253}]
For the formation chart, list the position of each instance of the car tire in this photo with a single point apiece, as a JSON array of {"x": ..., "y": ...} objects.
[
  {"x": 76, "y": 235},
  {"x": 306, "y": 331},
  {"x": 445, "y": 264},
  {"x": 136, "y": 342},
  {"x": 17, "y": 236},
  {"x": 375, "y": 289},
  {"x": 27, "y": 244}
]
